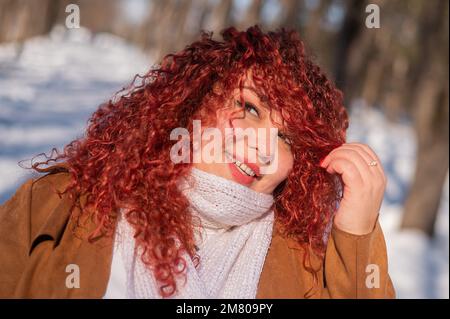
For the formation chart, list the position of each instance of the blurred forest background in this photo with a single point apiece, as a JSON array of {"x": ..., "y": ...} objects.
[{"x": 400, "y": 69}]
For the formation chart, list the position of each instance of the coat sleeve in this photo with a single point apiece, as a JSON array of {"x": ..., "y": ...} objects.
[
  {"x": 356, "y": 266},
  {"x": 15, "y": 227}
]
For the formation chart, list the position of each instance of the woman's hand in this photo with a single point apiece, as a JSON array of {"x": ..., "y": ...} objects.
[{"x": 364, "y": 186}]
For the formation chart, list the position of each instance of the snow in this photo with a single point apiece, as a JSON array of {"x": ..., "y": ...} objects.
[{"x": 49, "y": 90}]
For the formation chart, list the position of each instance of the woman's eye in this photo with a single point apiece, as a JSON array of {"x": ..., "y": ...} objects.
[
  {"x": 249, "y": 108},
  {"x": 285, "y": 138}
]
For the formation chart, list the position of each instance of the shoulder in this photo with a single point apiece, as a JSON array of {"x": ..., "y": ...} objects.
[
  {"x": 55, "y": 177},
  {"x": 44, "y": 190},
  {"x": 35, "y": 190},
  {"x": 31, "y": 208}
]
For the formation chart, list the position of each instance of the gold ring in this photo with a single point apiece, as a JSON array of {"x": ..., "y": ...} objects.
[{"x": 373, "y": 163}]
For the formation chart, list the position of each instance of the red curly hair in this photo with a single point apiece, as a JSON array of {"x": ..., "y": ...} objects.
[{"x": 124, "y": 158}]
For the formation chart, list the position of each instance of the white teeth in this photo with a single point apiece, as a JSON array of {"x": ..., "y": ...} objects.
[
  {"x": 245, "y": 169},
  {"x": 242, "y": 167}
]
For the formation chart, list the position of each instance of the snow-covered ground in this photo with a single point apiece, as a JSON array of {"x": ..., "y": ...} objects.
[{"x": 48, "y": 91}]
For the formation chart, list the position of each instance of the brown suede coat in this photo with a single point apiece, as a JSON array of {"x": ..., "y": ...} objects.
[{"x": 37, "y": 244}]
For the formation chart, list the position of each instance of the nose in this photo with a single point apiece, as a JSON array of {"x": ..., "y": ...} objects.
[
  {"x": 264, "y": 159},
  {"x": 266, "y": 150}
]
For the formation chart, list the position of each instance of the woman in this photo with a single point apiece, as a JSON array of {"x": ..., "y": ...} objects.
[{"x": 130, "y": 212}]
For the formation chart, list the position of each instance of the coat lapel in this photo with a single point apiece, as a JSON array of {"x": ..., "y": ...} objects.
[
  {"x": 62, "y": 262},
  {"x": 283, "y": 274}
]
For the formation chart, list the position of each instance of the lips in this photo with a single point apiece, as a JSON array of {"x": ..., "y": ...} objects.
[{"x": 238, "y": 175}]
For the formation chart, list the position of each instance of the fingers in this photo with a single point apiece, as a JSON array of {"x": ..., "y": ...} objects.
[
  {"x": 377, "y": 170},
  {"x": 350, "y": 173},
  {"x": 358, "y": 157},
  {"x": 350, "y": 155},
  {"x": 365, "y": 149}
]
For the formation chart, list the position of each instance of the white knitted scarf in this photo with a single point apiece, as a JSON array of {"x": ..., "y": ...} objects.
[{"x": 232, "y": 242}]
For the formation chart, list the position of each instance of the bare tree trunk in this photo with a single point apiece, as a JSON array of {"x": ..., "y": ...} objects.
[
  {"x": 351, "y": 27},
  {"x": 21, "y": 19},
  {"x": 220, "y": 17},
  {"x": 292, "y": 10},
  {"x": 313, "y": 30},
  {"x": 376, "y": 68},
  {"x": 430, "y": 100},
  {"x": 252, "y": 14},
  {"x": 431, "y": 116},
  {"x": 180, "y": 35},
  {"x": 160, "y": 26}
]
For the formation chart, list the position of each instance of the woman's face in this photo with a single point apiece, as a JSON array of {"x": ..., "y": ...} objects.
[{"x": 272, "y": 158}]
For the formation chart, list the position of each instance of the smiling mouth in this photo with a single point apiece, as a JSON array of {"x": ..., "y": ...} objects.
[{"x": 243, "y": 168}]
